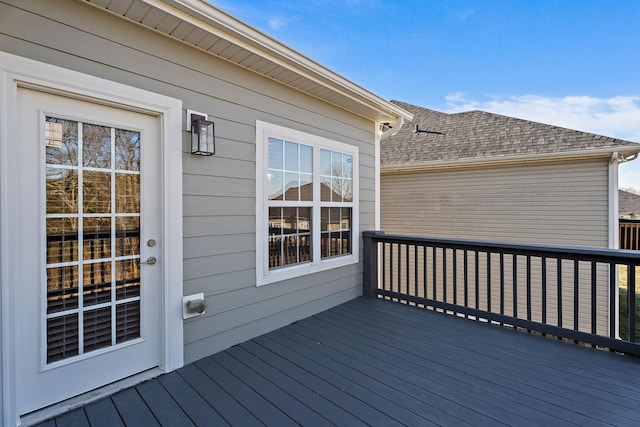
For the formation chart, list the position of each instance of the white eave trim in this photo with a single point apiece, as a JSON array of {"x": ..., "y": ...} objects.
[
  {"x": 209, "y": 18},
  {"x": 503, "y": 160}
]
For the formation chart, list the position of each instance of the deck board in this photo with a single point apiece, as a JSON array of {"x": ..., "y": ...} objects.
[{"x": 375, "y": 362}]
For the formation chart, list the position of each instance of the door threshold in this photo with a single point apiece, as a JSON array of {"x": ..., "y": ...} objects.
[{"x": 72, "y": 403}]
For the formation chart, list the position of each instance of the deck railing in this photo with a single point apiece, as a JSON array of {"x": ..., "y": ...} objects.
[
  {"x": 630, "y": 234},
  {"x": 564, "y": 292}
]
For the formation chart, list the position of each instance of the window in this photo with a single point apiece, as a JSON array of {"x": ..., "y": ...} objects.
[{"x": 306, "y": 214}]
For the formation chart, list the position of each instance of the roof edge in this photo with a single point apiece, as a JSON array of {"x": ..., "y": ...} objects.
[
  {"x": 216, "y": 21},
  {"x": 501, "y": 161}
]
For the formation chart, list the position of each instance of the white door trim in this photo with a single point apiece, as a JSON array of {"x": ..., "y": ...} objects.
[{"x": 17, "y": 72}]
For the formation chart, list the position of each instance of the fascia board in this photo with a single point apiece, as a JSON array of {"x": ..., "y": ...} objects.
[
  {"x": 219, "y": 23},
  {"x": 511, "y": 160}
]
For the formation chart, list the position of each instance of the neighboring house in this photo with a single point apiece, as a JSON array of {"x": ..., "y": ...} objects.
[
  {"x": 108, "y": 220},
  {"x": 478, "y": 175},
  {"x": 628, "y": 205}
]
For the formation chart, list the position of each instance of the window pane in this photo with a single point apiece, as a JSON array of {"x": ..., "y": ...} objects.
[
  {"x": 305, "y": 248},
  {"x": 306, "y": 187},
  {"x": 127, "y": 236},
  {"x": 274, "y": 185},
  {"x": 275, "y": 221},
  {"x": 336, "y": 164},
  {"x": 290, "y": 253},
  {"x": 127, "y": 193},
  {"x": 127, "y": 321},
  {"x": 306, "y": 159},
  {"x": 347, "y": 166},
  {"x": 304, "y": 220},
  {"x": 290, "y": 220},
  {"x": 62, "y": 191},
  {"x": 62, "y": 240},
  {"x": 97, "y": 282},
  {"x": 61, "y": 141},
  {"x": 291, "y": 157},
  {"x": 62, "y": 288},
  {"x": 127, "y": 278},
  {"x": 325, "y": 162},
  {"x": 292, "y": 187},
  {"x": 96, "y": 192},
  {"x": 127, "y": 150},
  {"x": 325, "y": 189},
  {"x": 275, "y": 251},
  {"x": 62, "y": 337},
  {"x": 97, "y": 238},
  {"x": 275, "y": 154},
  {"x": 97, "y": 329},
  {"x": 347, "y": 190},
  {"x": 96, "y": 143}
]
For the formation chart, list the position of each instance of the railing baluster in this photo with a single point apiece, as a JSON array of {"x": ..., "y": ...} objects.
[
  {"x": 424, "y": 270},
  {"x": 384, "y": 264},
  {"x": 391, "y": 266},
  {"x": 613, "y": 289},
  {"x": 466, "y": 278},
  {"x": 515, "y": 285},
  {"x": 576, "y": 296},
  {"x": 444, "y": 274},
  {"x": 415, "y": 270},
  {"x": 477, "y": 279},
  {"x": 502, "y": 283},
  {"x": 434, "y": 272},
  {"x": 559, "y": 292},
  {"x": 544, "y": 289},
  {"x": 528, "y": 287},
  {"x": 455, "y": 276},
  {"x": 488, "y": 281},
  {"x": 593, "y": 298},
  {"x": 631, "y": 293}
]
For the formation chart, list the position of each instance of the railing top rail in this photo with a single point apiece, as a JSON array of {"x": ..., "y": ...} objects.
[
  {"x": 629, "y": 221},
  {"x": 549, "y": 251}
]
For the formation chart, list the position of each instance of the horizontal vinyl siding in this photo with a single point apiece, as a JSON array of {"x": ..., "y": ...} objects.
[
  {"x": 555, "y": 203},
  {"x": 219, "y": 191}
]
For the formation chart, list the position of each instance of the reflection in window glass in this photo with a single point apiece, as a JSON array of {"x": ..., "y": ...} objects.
[
  {"x": 335, "y": 231},
  {"x": 96, "y": 143},
  {"x": 80, "y": 238},
  {"x": 61, "y": 142},
  {"x": 127, "y": 150},
  {"x": 289, "y": 235}
]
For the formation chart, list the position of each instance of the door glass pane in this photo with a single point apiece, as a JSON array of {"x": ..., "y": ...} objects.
[
  {"x": 96, "y": 192},
  {"x": 61, "y": 141},
  {"x": 62, "y": 191},
  {"x": 127, "y": 150},
  {"x": 92, "y": 192},
  {"x": 96, "y": 146},
  {"x": 127, "y": 193}
]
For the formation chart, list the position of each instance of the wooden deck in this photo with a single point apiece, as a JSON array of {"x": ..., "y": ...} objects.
[{"x": 373, "y": 362}]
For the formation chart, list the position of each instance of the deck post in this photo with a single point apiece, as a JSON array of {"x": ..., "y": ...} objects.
[{"x": 370, "y": 273}]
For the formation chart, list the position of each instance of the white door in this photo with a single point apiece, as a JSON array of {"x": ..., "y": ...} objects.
[{"x": 89, "y": 312}]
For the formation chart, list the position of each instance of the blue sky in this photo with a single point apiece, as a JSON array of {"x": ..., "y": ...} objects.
[{"x": 571, "y": 63}]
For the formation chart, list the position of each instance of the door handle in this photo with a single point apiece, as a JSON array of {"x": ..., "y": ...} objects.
[{"x": 151, "y": 260}]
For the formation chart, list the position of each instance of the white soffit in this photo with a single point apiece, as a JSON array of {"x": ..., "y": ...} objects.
[{"x": 202, "y": 25}]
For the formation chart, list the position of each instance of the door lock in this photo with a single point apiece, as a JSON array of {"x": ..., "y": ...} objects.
[{"x": 151, "y": 260}]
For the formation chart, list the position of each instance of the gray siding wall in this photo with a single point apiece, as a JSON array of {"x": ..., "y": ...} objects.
[
  {"x": 561, "y": 203},
  {"x": 219, "y": 191}
]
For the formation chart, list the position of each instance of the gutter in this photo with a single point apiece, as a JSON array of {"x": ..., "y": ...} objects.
[{"x": 392, "y": 131}]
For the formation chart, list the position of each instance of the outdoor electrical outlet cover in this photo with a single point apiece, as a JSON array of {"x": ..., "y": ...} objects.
[{"x": 185, "y": 300}]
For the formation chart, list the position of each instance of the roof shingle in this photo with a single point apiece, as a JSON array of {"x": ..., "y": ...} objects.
[{"x": 478, "y": 135}]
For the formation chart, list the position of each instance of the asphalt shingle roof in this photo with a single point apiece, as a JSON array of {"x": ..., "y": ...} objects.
[
  {"x": 479, "y": 135},
  {"x": 628, "y": 202}
]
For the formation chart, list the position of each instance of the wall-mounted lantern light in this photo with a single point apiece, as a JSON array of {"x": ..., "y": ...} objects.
[{"x": 203, "y": 140}]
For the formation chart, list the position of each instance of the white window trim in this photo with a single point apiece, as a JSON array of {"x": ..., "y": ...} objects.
[
  {"x": 16, "y": 71},
  {"x": 264, "y": 276}
]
